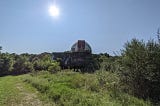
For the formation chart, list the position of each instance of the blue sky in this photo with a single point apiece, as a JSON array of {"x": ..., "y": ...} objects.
[{"x": 26, "y": 26}]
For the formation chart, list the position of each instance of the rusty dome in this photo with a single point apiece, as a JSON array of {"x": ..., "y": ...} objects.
[{"x": 81, "y": 46}]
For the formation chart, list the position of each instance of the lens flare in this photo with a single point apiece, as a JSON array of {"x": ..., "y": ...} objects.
[{"x": 54, "y": 11}]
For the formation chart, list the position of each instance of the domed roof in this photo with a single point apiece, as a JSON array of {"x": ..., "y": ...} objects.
[{"x": 81, "y": 46}]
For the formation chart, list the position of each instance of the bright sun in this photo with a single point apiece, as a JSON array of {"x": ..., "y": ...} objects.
[{"x": 54, "y": 11}]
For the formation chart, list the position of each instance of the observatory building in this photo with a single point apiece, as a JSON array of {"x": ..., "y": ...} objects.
[
  {"x": 81, "y": 46},
  {"x": 79, "y": 57}
]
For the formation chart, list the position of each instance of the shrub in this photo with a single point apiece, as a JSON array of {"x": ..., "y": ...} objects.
[
  {"x": 141, "y": 68},
  {"x": 22, "y": 65},
  {"x": 54, "y": 67},
  {"x": 6, "y": 64}
]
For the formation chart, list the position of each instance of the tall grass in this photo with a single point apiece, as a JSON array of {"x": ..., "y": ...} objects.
[{"x": 71, "y": 88}]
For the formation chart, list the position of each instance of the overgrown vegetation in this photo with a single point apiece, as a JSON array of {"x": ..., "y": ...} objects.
[
  {"x": 136, "y": 72},
  {"x": 13, "y": 64},
  {"x": 138, "y": 68},
  {"x": 14, "y": 92},
  {"x": 69, "y": 88},
  {"x": 140, "y": 72}
]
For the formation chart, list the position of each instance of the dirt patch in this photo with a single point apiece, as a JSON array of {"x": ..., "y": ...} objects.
[{"x": 28, "y": 98}]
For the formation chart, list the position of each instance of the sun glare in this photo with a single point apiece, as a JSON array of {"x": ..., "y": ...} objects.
[{"x": 54, "y": 11}]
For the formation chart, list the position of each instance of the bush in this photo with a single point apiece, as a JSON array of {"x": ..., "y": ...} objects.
[
  {"x": 22, "y": 65},
  {"x": 108, "y": 81},
  {"x": 54, "y": 67},
  {"x": 141, "y": 69},
  {"x": 46, "y": 63},
  {"x": 6, "y": 64}
]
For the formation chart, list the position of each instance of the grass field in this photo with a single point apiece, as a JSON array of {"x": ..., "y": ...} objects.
[
  {"x": 14, "y": 92},
  {"x": 69, "y": 88},
  {"x": 64, "y": 89},
  {"x": 8, "y": 91}
]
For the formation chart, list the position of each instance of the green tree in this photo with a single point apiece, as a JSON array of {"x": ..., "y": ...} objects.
[
  {"x": 6, "y": 64},
  {"x": 45, "y": 62},
  {"x": 22, "y": 65},
  {"x": 141, "y": 68}
]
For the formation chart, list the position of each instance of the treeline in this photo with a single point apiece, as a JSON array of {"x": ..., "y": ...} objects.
[
  {"x": 14, "y": 64},
  {"x": 138, "y": 67}
]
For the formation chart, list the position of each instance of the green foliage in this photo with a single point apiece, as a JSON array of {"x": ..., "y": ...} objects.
[
  {"x": 6, "y": 63},
  {"x": 109, "y": 63},
  {"x": 22, "y": 65},
  {"x": 25, "y": 63},
  {"x": 54, "y": 67},
  {"x": 46, "y": 63},
  {"x": 85, "y": 81},
  {"x": 141, "y": 69},
  {"x": 108, "y": 81},
  {"x": 74, "y": 89},
  {"x": 41, "y": 85}
]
